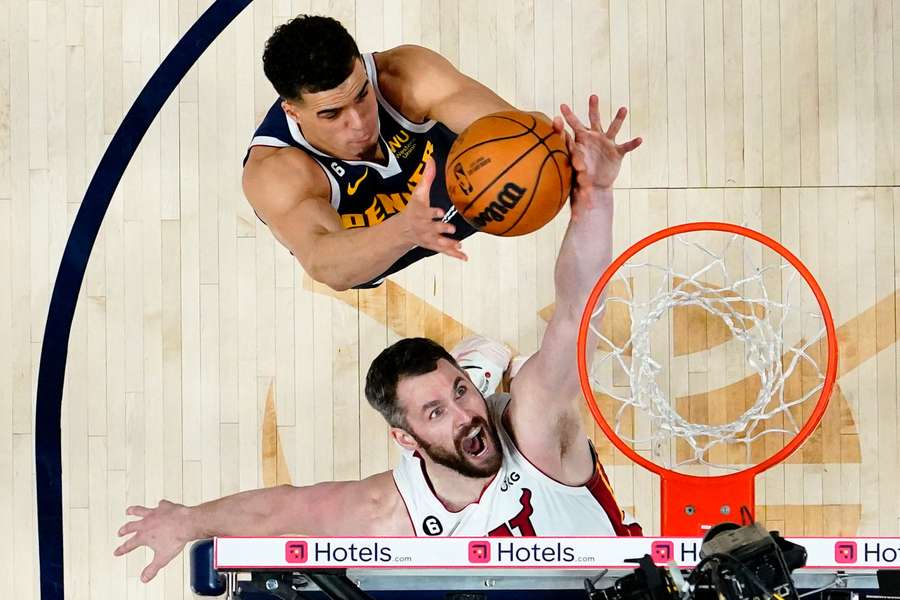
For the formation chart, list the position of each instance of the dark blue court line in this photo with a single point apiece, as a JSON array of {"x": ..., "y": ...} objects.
[{"x": 47, "y": 433}]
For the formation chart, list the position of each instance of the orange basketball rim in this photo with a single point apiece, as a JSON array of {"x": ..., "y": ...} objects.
[{"x": 693, "y": 503}]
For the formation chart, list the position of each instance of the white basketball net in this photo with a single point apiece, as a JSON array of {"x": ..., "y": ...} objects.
[{"x": 758, "y": 322}]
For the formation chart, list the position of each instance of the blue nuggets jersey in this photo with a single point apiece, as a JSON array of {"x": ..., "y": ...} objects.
[{"x": 365, "y": 193}]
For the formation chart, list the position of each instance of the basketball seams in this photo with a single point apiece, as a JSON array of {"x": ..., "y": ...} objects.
[
  {"x": 520, "y": 211},
  {"x": 498, "y": 139},
  {"x": 488, "y": 186},
  {"x": 551, "y": 152},
  {"x": 530, "y": 128},
  {"x": 537, "y": 185},
  {"x": 479, "y": 144}
]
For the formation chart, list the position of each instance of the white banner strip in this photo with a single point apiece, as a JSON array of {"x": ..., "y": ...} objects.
[{"x": 234, "y": 553}]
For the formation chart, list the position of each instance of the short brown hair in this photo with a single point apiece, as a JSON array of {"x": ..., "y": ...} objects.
[{"x": 407, "y": 358}]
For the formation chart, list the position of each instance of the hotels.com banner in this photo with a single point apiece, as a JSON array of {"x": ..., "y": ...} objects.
[{"x": 234, "y": 553}]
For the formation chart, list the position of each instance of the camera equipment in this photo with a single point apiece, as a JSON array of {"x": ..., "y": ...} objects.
[
  {"x": 746, "y": 563},
  {"x": 737, "y": 563},
  {"x": 647, "y": 582}
]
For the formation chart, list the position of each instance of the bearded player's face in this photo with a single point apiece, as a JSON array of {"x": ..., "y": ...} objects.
[{"x": 447, "y": 416}]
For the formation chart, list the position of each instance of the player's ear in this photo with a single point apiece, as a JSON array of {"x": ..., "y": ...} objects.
[
  {"x": 402, "y": 437},
  {"x": 290, "y": 110}
]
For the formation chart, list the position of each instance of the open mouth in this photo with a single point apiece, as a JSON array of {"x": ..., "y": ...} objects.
[{"x": 474, "y": 443}]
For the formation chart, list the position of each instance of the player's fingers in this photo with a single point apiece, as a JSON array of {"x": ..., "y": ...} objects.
[
  {"x": 456, "y": 252},
  {"x": 137, "y": 511},
  {"x": 559, "y": 128},
  {"x": 152, "y": 569},
  {"x": 427, "y": 174},
  {"x": 436, "y": 214},
  {"x": 127, "y": 528},
  {"x": 594, "y": 113},
  {"x": 558, "y": 124},
  {"x": 616, "y": 125},
  {"x": 578, "y": 160},
  {"x": 570, "y": 144},
  {"x": 423, "y": 189},
  {"x": 629, "y": 146},
  {"x": 129, "y": 545},
  {"x": 571, "y": 118},
  {"x": 446, "y": 245},
  {"x": 445, "y": 228}
]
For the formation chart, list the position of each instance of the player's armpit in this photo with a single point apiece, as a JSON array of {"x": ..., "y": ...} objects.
[{"x": 545, "y": 403}]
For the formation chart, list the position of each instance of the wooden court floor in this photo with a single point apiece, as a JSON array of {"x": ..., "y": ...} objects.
[{"x": 202, "y": 360}]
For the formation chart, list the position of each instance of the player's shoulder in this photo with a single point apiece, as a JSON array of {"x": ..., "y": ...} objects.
[
  {"x": 409, "y": 64},
  {"x": 275, "y": 179},
  {"x": 405, "y": 56}
]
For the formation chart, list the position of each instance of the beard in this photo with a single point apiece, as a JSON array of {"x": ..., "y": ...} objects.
[{"x": 458, "y": 459}]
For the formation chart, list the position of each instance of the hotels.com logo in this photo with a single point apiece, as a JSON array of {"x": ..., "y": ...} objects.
[
  {"x": 662, "y": 551},
  {"x": 845, "y": 552},
  {"x": 479, "y": 552},
  {"x": 296, "y": 552}
]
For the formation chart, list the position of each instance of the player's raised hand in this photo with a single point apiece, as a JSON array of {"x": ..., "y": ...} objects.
[
  {"x": 164, "y": 529},
  {"x": 422, "y": 222},
  {"x": 596, "y": 157}
]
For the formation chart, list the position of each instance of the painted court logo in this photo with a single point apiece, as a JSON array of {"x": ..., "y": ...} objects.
[
  {"x": 662, "y": 551},
  {"x": 845, "y": 552},
  {"x": 296, "y": 552},
  {"x": 479, "y": 552}
]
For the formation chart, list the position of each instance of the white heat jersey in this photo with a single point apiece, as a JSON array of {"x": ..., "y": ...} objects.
[{"x": 520, "y": 500}]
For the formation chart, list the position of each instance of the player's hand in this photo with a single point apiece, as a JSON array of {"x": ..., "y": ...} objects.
[
  {"x": 596, "y": 157},
  {"x": 422, "y": 222},
  {"x": 164, "y": 529}
]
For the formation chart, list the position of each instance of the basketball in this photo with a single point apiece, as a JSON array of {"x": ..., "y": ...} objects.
[{"x": 509, "y": 173}]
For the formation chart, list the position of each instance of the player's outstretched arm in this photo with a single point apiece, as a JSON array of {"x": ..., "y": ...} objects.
[
  {"x": 357, "y": 508},
  {"x": 296, "y": 207},
  {"x": 544, "y": 410},
  {"x": 434, "y": 89}
]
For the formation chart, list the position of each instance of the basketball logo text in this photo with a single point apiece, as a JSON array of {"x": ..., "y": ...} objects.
[
  {"x": 465, "y": 186},
  {"x": 496, "y": 211}
]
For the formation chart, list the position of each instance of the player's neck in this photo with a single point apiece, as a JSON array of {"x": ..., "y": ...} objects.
[
  {"x": 375, "y": 154},
  {"x": 453, "y": 489}
]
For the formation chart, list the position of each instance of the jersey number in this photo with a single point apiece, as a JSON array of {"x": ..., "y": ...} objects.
[
  {"x": 338, "y": 169},
  {"x": 521, "y": 522}
]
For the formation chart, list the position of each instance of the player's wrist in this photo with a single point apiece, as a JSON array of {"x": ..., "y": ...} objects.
[
  {"x": 602, "y": 196},
  {"x": 193, "y": 523}
]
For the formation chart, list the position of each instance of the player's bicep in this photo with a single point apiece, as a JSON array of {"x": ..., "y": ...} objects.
[
  {"x": 348, "y": 508},
  {"x": 293, "y": 201},
  {"x": 467, "y": 102},
  {"x": 300, "y": 227},
  {"x": 446, "y": 94}
]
